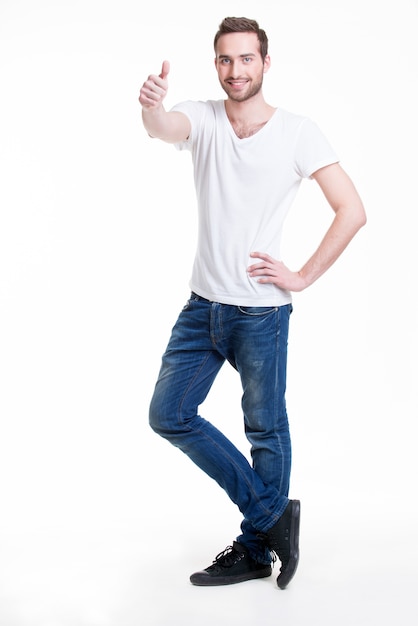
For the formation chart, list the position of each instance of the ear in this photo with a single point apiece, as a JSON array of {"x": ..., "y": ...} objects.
[{"x": 267, "y": 63}]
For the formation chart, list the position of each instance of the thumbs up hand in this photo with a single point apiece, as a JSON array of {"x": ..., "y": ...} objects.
[{"x": 154, "y": 90}]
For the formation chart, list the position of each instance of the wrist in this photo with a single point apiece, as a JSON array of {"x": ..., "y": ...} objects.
[{"x": 304, "y": 279}]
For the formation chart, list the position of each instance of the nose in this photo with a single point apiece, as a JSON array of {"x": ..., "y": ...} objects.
[{"x": 234, "y": 68}]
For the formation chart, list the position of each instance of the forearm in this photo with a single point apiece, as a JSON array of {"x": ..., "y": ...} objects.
[
  {"x": 347, "y": 222},
  {"x": 155, "y": 122},
  {"x": 171, "y": 126}
]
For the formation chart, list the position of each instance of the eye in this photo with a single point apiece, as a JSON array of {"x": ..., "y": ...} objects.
[
  {"x": 225, "y": 61},
  {"x": 247, "y": 59}
]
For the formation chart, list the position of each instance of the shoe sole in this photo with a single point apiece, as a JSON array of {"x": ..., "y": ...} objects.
[
  {"x": 204, "y": 580},
  {"x": 287, "y": 574}
]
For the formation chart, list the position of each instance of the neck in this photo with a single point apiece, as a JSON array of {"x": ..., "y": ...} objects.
[{"x": 249, "y": 111}]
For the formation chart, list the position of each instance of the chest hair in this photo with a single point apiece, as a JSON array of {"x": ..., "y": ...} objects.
[{"x": 243, "y": 131}]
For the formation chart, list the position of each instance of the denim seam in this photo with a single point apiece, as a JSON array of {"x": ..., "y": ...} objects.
[
  {"x": 278, "y": 332},
  {"x": 180, "y": 404}
]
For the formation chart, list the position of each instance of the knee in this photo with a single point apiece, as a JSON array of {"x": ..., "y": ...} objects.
[
  {"x": 160, "y": 418},
  {"x": 154, "y": 416}
]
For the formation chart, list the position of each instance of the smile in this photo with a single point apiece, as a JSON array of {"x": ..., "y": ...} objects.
[{"x": 237, "y": 83}]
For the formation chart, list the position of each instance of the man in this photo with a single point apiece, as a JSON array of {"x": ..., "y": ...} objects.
[{"x": 249, "y": 159}]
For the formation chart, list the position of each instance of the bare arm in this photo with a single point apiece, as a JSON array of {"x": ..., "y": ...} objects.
[
  {"x": 168, "y": 126},
  {"x": 349, "y": 218}
]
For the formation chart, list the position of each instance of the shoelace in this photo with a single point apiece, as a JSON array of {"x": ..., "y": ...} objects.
[
  {"x": 227, "y": 557},
  {"x": 273, "y": 554},
  {"x": 230, "y": 555}
]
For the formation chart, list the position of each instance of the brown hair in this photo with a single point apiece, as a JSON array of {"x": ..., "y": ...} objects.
[{"x": 243, "y": 25}]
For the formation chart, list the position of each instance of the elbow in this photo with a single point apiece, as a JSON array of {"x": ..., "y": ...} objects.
[
  {"x": 361, "y": 217},
  {"x": 353, "y": 217},
  {"x": 356, "y": 215}
]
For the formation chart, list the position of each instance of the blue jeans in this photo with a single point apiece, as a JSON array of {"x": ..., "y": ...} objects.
[{"x": 254, "y": 341}]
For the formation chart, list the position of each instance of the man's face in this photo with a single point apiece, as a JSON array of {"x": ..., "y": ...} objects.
[{"x": 240, "y": 66}]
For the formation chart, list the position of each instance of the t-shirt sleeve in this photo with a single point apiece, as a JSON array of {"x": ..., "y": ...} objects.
[{"x": 313, "y": 150}]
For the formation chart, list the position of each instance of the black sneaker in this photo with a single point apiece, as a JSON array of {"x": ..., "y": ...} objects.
[
  {"x": 283, "y": 540},
  {"x": 233, "y": 565}
]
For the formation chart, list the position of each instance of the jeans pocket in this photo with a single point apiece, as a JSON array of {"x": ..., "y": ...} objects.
[{"x": 257, "y": 311}]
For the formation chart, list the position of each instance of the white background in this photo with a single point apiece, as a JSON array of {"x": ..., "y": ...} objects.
[{"x": 101, "y": 521}]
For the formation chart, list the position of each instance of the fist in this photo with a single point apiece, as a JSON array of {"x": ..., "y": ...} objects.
[{"x": 154, "y": 90}]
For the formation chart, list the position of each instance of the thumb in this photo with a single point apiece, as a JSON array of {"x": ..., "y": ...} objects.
[{"x": 165, "y": 69}]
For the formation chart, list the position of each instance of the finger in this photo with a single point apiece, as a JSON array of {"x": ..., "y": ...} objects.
[
  {"x": 148, "y": 97},
  {"x": 263, "y": 271},
  {"x": 165, "y": 69},
  {"x": 261, "y": 255},
  {"x": 255, "y": 267}
]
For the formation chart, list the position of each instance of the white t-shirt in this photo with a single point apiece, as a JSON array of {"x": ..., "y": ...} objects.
[{"x": 244, "y": 189}]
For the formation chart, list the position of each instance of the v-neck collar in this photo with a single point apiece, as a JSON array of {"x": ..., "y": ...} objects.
[{"x": 231, "y": 128}]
